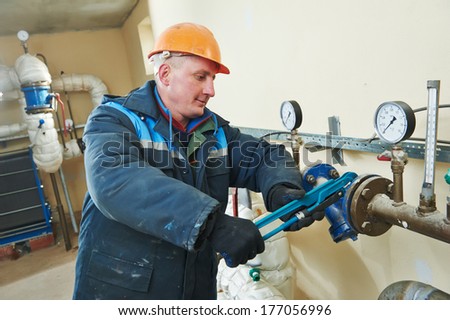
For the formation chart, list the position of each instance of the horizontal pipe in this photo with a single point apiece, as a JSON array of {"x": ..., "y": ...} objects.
[
  {"x": 23, "y": 136},
  {"x": 434, "y": 225},
  {"x": 412, "y": 290}
]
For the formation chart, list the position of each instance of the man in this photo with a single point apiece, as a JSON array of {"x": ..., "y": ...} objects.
[{"x": 158, "y": 167}]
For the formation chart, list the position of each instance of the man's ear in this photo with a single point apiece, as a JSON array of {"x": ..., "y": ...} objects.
[{"x": 163, "y": 74}]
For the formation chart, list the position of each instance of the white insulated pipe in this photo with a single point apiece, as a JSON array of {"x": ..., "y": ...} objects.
[
  {"x": 276, "y": 273},
  {"x": 81, "y": 82},
  {"x": 47, "y": 152},
  {"x": 31, "y": 69}
]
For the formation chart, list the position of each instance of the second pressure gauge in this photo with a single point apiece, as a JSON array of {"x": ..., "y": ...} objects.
[
  {"x": 394, "y": 121},
  {"x": 291, "y": 114}
]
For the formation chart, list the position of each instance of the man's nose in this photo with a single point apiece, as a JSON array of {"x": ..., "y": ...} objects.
[{"x": 209, "y": 88}]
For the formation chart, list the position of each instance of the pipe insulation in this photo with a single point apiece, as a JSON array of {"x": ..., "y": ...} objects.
[
  {"x": 31, "y": 69},
  {"x": 47, "y": 152},
  {"x": 274, "y": 265},
  {"x": 81, "y": 82},
  {"x": 9, "y": 80},
  {"x": 12, "y": 129}
]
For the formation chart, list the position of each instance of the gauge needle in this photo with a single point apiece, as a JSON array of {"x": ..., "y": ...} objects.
[
  {"x": 288, "y": 116},
  {"x": 392, "y": 121}
]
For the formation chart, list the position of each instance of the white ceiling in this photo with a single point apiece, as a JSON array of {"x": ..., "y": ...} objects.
[{"x": 50, "y": 16}]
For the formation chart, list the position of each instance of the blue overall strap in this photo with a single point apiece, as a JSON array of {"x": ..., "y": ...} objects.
[{"x": 139, "y": 125}]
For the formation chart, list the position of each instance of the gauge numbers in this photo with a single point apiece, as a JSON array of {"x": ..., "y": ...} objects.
[{"x": 394, "y": 121}]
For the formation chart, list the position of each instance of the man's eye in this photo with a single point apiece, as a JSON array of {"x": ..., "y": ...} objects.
[{"x": 200, "y": 77}]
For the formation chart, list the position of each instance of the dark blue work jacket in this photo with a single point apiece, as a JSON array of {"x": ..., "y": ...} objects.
[{"x": 151, "y": 194}]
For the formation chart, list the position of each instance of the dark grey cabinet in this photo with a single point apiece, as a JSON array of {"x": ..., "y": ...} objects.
[{"x": 24, "y": 211}]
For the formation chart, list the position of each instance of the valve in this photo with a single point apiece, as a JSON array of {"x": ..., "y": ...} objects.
[{"x": 255, "y": 274}]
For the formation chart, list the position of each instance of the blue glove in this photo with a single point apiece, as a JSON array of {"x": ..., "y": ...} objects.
[{"x": 237, "y": 240}]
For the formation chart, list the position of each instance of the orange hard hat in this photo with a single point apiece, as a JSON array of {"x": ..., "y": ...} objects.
[{"x": 190, "y": 38}]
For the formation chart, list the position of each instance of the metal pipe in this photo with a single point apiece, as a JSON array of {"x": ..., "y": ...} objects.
[
  {"x": 412, "y": 290},
  {"x": 295, "y": 145},
  {"x": 434, "y": 224},
  {"x": 397, "y": 166},
  {"x": 245, "y": 198},
  {"x": 447, "y": 179},
  {"x": 62, "y": 218},
  {"x": 69, "y": 202}
]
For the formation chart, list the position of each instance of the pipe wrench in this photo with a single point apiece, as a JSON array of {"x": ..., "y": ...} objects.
[{"x": 318, "y": 199}]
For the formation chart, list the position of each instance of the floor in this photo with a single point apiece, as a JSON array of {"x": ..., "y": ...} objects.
[{"x": 44, "y": 274}]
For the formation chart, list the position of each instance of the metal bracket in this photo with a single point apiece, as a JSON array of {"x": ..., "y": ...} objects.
[{"x": 318, "y": 142}]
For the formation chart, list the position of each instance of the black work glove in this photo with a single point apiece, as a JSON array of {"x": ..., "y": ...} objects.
[
  {"x": 281, "y": 195},
  {"x": 237, "y": 240}
]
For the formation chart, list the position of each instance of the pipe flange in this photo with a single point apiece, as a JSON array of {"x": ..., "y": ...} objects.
[{"x": 360, "y": 217}]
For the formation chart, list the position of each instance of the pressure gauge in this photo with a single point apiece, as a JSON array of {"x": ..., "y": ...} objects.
[
  {"x": 22, "y": 35},
  {"x": 394, "y": 121},
  {"x": 291, "y": 114}
]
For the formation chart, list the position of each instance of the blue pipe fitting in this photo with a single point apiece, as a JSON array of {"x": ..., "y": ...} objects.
[
  {"x": 37, "y": 97},
  {"x": 336, "y": 214}
]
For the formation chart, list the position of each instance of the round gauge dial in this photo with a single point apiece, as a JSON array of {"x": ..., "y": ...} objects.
[
  {"x": 22, "y": 35},
  {"x": 291, "y": 114},
  {"x": 394, "y": 121}
]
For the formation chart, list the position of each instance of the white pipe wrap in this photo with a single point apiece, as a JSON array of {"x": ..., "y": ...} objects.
[
  {"x": 47, "y": 152},
  {"x": 12, "y": 129},
  {"x": 236, "y": 284},
  {"x": 275, "y": 268},
  {"x": 9, "y": 80},
  {"x": 30, "y": 69},
  {"x": 81, "y": 82},
  {"x": 72, "y": 150}
]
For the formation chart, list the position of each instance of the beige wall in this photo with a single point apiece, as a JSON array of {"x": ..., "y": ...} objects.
[
  {"x": 340, "y": 58},
  {"x": 137, "y": 54}
]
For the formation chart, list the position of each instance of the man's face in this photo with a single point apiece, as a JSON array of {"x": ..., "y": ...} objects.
[{"x": 190, "y": 84}]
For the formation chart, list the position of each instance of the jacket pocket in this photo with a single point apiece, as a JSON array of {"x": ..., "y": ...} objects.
[{"x": 118, "y": 272}]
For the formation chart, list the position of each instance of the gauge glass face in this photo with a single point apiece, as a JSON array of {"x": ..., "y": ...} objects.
[
  {"x": 391, "y": 123},
  {"x": 22, "y": 35},
  {"x": 290, "y": 115}
]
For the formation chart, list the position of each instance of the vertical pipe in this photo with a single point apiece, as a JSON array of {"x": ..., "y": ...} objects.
[
  {"x": 295, "y": 145},
  {"x": 397, "y": 167},
  {"x": 62, "y": 219},
  {"x": 447, "y": 179},
  {"x": 69, "y": 202},
  {"x": 427, "y": 201},
  {"x": 234, "y": 201}
]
